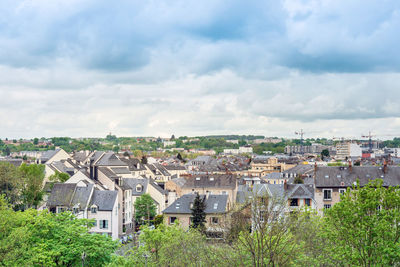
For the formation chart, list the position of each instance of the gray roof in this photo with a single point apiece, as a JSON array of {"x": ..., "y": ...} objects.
[
  {"x": 15, "y": 162},
  {"x": 273, "y": 175},
  {"x": 49, "y": 154},
  {"x": 104, "y": 200},
  {"x": 82, "y": 195},
  {"x": 79, "y": 156},
  {"x": 133, "y": 182},
  {"x": 121, "y": 170},
  {"x": 110, "y": 159},
  {"x": 345, "y": 176},
  {"x": 204, "y": 181},
  {"x": 133, "y": 164},
  {"x": 300, "y": 191},
  {"x": 61, "y": 195},
  {"x": 107, "y": 172},
  {"x": 174, "y": 167},
  {"x": 300, "y": 169},
  {"x": 60, "y": 166},
  {"x": 214, "y": 204}
]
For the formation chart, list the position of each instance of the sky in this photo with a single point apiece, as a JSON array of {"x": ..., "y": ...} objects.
[{"x": 156, "y": 68}]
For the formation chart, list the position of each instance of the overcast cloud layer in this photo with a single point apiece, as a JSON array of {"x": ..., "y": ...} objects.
[{"x": 85, "y": 68}]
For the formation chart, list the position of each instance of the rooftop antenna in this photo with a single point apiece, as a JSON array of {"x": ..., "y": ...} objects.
[{"x": 301, "y": 133}]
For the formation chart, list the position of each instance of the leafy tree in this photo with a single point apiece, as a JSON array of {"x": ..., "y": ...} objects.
[
  {"x": 116, "y": 149},
  {"x": 32, "y": 183},
  {"x": 10, "y": 182},
  {"x": 179, "y": 156},
  {"x": 364, "y": 227},
  {"x": 25, "y": 157},
  {"x": 59, "y": 177},
  {"x": 144, "y": 159},
  {"x": 298, "y": 180},
  {"x": 36, "y": 141},
  {"x": 145, "y": 208},
  {"x": 198, "y": 213},
  {"x": 6, "y": 151},
  {"x": 173, "y": 137},
  {"x": 324, "y": 153},
  {"x": 34, "y": 238}
]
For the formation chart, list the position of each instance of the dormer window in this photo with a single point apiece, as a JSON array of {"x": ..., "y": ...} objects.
[
  {"x": 211, "y": 178},
  {"x": 139, "y": 188},
  {"x": 197, "y": 178},
  {"x": 215, "y": 206},
  {"x": 93, "y": 209}
]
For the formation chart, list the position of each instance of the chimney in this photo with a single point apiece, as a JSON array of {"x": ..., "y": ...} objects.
[
  {"x": 350, "y": 166},
  {"x": 285, "y": 186},
  {"x": 315, "y": 168},
  {"x": 384, "y": 166}
]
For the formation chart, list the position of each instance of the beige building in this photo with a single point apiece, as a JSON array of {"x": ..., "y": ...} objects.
[{"x": 262, "y": 168}]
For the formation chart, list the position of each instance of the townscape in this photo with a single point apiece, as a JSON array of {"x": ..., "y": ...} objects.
[{"x": 121, "y": 190}]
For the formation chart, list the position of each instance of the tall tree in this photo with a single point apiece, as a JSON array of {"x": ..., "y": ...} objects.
[
  {"x": 198, "y": 213},
  {"x": 10, "y": 182},
  {"x": 145, "y": 208},
  {"x": 32, "y": 184}
]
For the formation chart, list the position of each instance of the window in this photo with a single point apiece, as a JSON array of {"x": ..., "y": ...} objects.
[
  {"x": 139, "y": 188},
  {"x": 294, "y": 202},
  {"x": 262, "y": 215},
  {"x": 327, "y": 206},
  {"x": 215, "y": 206},
  {"x": 342, "y": 191},
  {"x": 93, "y": 209},
  {"x": 172, "y": 220},
  {"x": 214, "y": 220},
  {"x": 327, "y": 194},
  {"x": 103, "y": 224},
  {"x": 307, "y": 202}
]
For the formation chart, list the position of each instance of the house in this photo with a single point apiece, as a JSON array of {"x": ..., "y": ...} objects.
[
  {"x": 89, "y": 203},
  {"x": 217, "y": 207},
  {"x": 261, "y": 167},
  {"x": 216, "y": 184},
  {"x": 53, "y": 155},
  {"x": 142, "y": 186},
  {"x": 331, "y": 182}
]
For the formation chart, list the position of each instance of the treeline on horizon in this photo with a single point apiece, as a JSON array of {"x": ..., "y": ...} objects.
[{"x": 117, "y": 144}]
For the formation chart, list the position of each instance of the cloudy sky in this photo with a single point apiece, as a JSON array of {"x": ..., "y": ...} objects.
[{"x": 156, "y": 68}]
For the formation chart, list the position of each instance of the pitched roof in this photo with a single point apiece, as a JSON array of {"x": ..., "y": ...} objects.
[
  {"x": 49, "y": 154},
  {"x": 300, "y": 191},
  {"x": 121, "y": 170},
  {"x": 15, "y": 162},
  {"x": 104, "y": 200},
  {"x": 346, "y": 177},
  {"x": 214, "y": 204},
  {"x": 133, "y": 182},
  {"x": 133, "y": 164},
  {"x": 110, "y": 159},
  {"x": 203, "y": 181},
  {"x": 82, "y": 195},
  {"x": 107, "y": 172},
  {"x": 61, "y": 195}
]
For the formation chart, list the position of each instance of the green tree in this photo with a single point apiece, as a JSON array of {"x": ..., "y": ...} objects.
[
  {"x": 34, "y": 238},
  {"x": 36, "y": 141},
  {"x": 32, "y": 183},
  {"x": 324, "y": 153},
  {"x": 364, "y": 227},
  {"x": 198, "y": 213},
  {"x": 10, "y": 182},
  {"x": 6, "y": 151},
  {"x": 144, "y": 159},
  {"x": 59, "y": 177},
  {"x": 145, "y": 208}
]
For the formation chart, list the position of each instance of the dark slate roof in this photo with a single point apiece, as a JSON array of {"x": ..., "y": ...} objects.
[
  {"x": 300, "y": 191},
  {"x": 157, "y": 187},
  {"x": 344, "y": 177},
  {"x": 61, "y": 195},
  {"x": 49, "y": 154},
  {"x": 96, "y": 155},
  {"x": 133, "y": 164},
  {"x": 110, "y": 159},
  {"x": 107, "y": 172},
  {"x": 104, "y": 200},
  {"x": 214, "y": 204},
  {"x": 273, "y": 175},
  {"x": 15, "y": 162},
  {"x": 60, "y": 166},
  {"x": 211, "y": 180},
  {"x": 79, "y": 156},
  {"x": 300, "y": 169},
  {"x": 174, "y": 167},
  {"x": 133, "y": 182},
  {"x": 121, "y": 170},
  {"x": 162, "y": 169},
  {"x": 82, "y": 195}
]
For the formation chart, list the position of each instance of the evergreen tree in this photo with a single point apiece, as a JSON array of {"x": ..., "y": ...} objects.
[
  {"x": 144, "y": 159},
  {"x": 179, "y": 156},
  {"x": 198, "y": 213}
]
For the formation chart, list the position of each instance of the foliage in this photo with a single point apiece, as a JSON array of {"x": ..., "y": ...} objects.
[
  {"x": 32, "y": 183},
  {"x": 59, "y": 177},
  {"x": 10, "y": 182},
  {"x": 145, "y": 208},
  {"x": 33, "y": 238},
  {"x": 198, "y": 213},
  {"x": 364, "y": 227}
]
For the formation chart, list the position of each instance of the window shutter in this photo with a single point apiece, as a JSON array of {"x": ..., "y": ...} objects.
[{"x": 106, "y": 224}]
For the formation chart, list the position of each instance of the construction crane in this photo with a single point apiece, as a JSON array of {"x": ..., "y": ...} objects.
[
  {"x": 369, "y": 136},
  {"x": 301, "y": 133}
]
